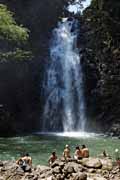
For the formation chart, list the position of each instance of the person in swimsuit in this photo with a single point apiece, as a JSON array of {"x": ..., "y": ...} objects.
[
  {"x": 27, "y": 159},
  {"x": 66, "y": 152},
  {"x": 52, "y": 158},
  {"x": 25, "y": 162}
]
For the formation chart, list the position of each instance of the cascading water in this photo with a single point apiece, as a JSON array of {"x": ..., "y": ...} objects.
[
  {"x": 65, "y": 81},
  {"x": 65, "y": 105}
]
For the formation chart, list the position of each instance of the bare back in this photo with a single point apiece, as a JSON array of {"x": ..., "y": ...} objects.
[
  {"x": 28, "y": 160},
  {"x": 66, "y": 153},
  {"x": 85, "y": 153}
]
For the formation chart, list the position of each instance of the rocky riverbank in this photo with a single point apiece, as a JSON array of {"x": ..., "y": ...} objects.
[{"x": 86, "y": 169}]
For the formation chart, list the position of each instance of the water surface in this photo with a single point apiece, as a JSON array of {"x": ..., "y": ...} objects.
[{"x": 40, "y": 146}]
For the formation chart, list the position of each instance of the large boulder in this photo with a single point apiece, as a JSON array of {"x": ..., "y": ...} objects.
[
  {"x": 107, "y": 164},
  {"x": 73, "y": 167},
  {"x": 69, "y": 168},
  {"x": 92, "y": 163}
]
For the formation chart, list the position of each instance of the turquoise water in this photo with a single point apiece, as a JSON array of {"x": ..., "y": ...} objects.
[{"x": 40, "y": 146}]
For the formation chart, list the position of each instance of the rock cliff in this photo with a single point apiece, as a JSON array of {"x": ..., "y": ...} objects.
[{"x": 102, "y": 63}]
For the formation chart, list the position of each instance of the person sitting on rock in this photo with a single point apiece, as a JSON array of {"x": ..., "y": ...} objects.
[
  {"x": 78, "y": 153},
  {"x": 25, "y": 162},
  {"x": 27, "y": 159},
  {"x": 85, "y": 151},
  {"x": 52, "y": 158},
  {"x": 19, "y": 161},
  {"x": 66, "y": 152}
]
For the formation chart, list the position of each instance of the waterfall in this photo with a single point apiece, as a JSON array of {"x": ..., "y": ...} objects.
[{"x": 64, "y": 87}]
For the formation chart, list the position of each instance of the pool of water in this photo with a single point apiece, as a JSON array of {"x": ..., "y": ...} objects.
[{"x": 40, "y": 146}]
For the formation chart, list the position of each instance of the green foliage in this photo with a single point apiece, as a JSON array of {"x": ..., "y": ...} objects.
[
  {"x": 18, "y": 55},
  {"x": 9, "y": 30},
  {"x": 13, "y": 36}
]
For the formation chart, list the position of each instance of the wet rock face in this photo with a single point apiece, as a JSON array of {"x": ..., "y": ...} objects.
[
  {"x": 102, "y": 62},
  {"x": 107, "y": 164},
  {"x": 92, "y": 163},
  {"x": 17, "y": 92}
]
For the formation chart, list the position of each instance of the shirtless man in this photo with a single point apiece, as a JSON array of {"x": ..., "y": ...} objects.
[
  {"x": 20, "y": 161},
  {"x": 85, "y": 151},
  {"x": 24, "y": 162},
  {"x": 78, "y": 153},
  {"x": 66, "y": 152},
  {"x": 52, "y": 158},
  {"x": 27, "y": 159}
]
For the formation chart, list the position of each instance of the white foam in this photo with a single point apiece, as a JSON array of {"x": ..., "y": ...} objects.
[
  {"x": 82, "y": 135},
  {"x": 77, "y": 134}
]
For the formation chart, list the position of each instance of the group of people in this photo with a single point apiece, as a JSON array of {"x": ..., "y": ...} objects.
[
  {"x": 25, "y": 161},
  {"x": 79, "y": 153}
]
